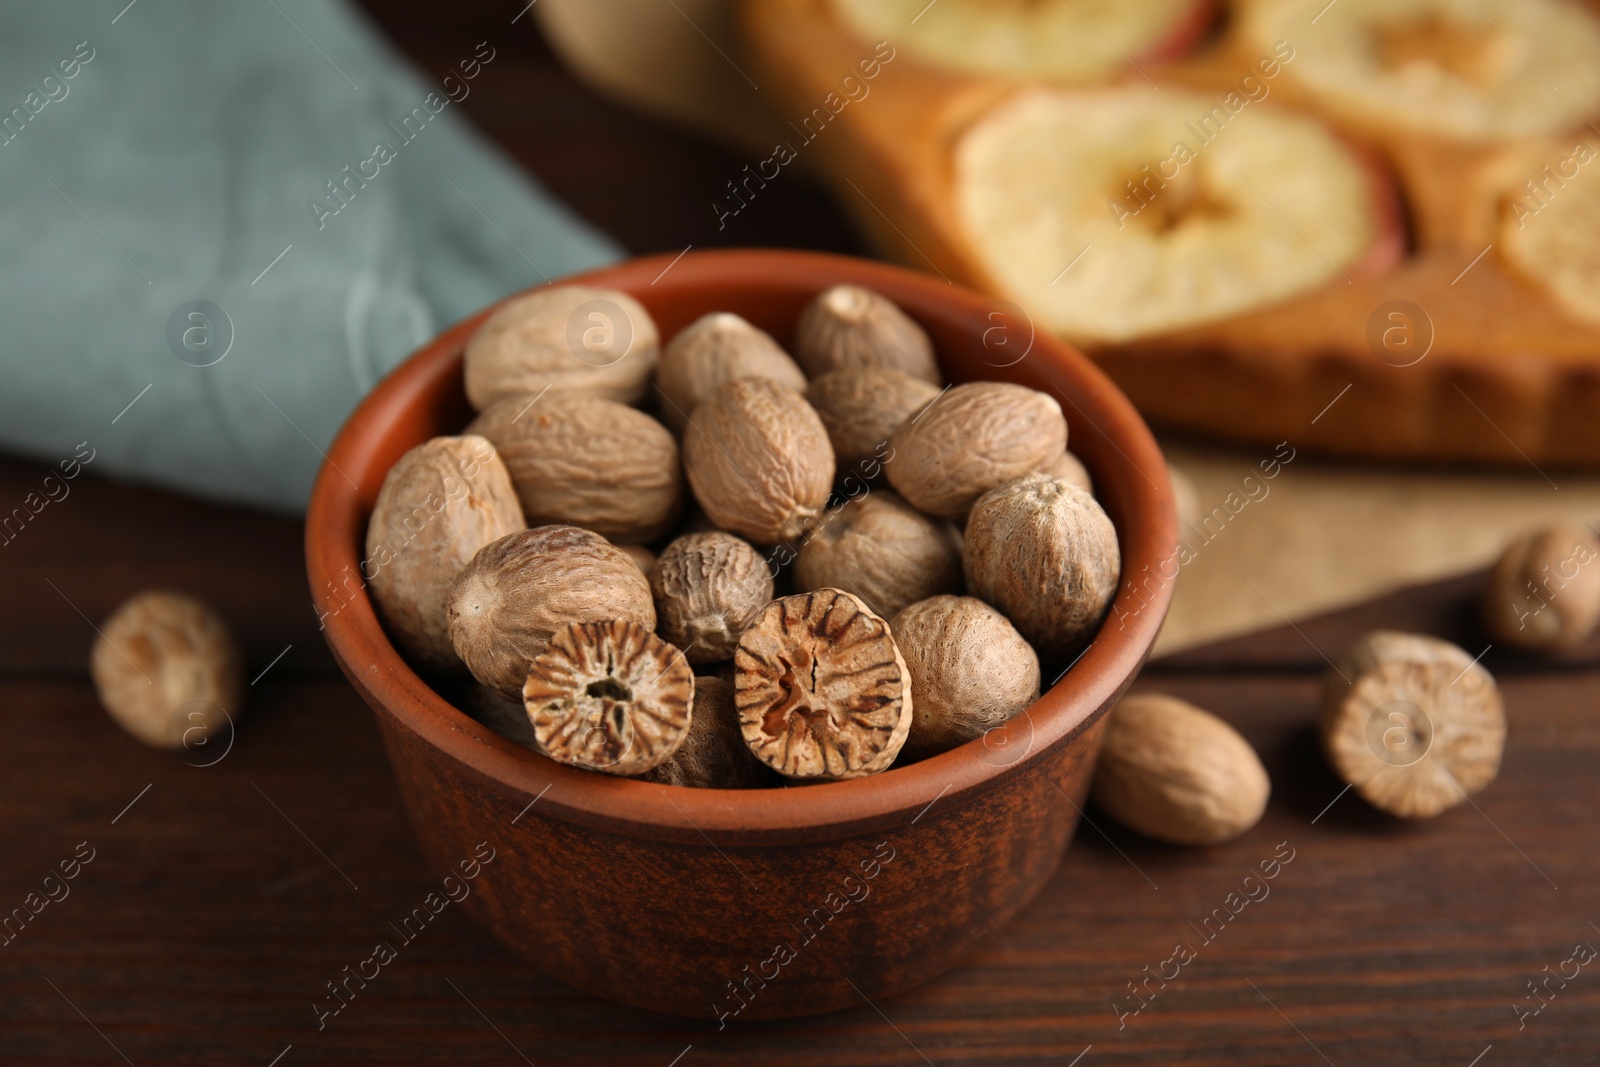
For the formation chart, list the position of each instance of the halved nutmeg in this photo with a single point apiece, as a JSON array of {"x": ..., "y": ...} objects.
[
  {"x": 1413, "y": 722},
  {"x": 821, "y": 689},
  {"x": 609, "y": 696}
]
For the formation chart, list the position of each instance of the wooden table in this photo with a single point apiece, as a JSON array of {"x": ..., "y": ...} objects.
[{"x": 220, "y": 899}]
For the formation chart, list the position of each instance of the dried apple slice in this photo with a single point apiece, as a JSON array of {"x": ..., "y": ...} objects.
[
  {"x": 1550, "y": 231},
  {"x": 1061, "y": 40},
  {"x": 1117, "y": 213},
  {"x": 1470, "y": 70}
]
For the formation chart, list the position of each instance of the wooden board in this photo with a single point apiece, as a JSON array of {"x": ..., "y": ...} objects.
[{"x": 1508, "y": 373}]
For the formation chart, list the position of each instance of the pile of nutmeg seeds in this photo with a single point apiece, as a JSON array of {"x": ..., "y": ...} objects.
[{"x": 711, "y": 562}]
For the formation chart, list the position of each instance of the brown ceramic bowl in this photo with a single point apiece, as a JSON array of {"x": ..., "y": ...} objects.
[{"x": 764, "y": 903}]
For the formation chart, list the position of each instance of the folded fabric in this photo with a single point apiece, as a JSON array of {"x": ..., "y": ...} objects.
[{"x": 226, "y": 222}]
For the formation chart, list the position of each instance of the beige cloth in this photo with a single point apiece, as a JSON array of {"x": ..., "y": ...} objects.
[{"x": 1328, "y": 534}]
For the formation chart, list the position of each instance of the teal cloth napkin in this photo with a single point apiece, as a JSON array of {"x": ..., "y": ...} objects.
[{"x": 225, "y": 222}]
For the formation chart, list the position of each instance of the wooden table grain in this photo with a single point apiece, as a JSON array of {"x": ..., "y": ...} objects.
[{"x": 221, "y": 899}]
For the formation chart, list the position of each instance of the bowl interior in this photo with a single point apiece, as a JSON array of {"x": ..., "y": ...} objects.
[{"x": 975, "y": 338}]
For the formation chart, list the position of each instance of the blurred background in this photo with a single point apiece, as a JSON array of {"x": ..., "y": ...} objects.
[{"x": 1369, "y": 264}]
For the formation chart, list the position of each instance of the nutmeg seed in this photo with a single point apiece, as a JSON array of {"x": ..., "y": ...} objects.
[
  {"x": 585, "y": 461},
  {"x": 1177, "y": 773},
  {"x": 713, "y": 349},
  {"x": 567, "y": 339},
  {"x": 1544, "y": 591},
  {"x": 970, "y": 669},
  {"x": 1068, "y": 468},
  {"x": 862, "y": 407},
  {"x": 1413, "y": 722},
  {"x": 642, "y": 557},
  {"x": 609, "y": 696},
  {"x": 883, "y": 550},
  {"x": 167, "y": 670},
  {"x": 440, "y": 503},
  {"x": 521, "y": 589},
  {"x": 709, "y": 588},
  {"x": 848, "y": 326},
  {"x": 973, "y": 438},
  {"x": 1045, "y": 554},
  {"x": 713, "y": 754},
  {"x": 758, "y": 459},
  {"x": 821, "y": 688}
]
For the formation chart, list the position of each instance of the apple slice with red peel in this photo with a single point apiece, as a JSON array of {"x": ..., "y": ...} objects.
[
  {"x": 1056, "y": 40},
  {"x": 1119, "y": 213},
  {"x": 1466, "y": 70}
]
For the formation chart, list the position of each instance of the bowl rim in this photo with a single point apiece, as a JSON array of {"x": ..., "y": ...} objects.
[{"x": 336, "y": 533}]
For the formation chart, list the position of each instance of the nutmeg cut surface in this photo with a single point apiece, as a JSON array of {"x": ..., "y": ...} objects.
[
  {"x": 1412, "y": 723},
  {"x": 821, "y": 688},
  {"x": 609, "y": 696}
]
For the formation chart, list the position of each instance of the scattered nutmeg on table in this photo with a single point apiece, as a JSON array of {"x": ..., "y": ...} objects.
[
  {"x": 1544, "y": 591},
  {"x": 440, "y": 503},
  {"x": 518, "y": 591},
  {"x": 167, "y": 670},
  {"x": 1412, "y": 722},
  {"x": 1178, "y": 773}
]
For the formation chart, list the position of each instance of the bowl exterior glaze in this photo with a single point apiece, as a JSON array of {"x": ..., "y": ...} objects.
[{"x": 756, "y": 904}]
